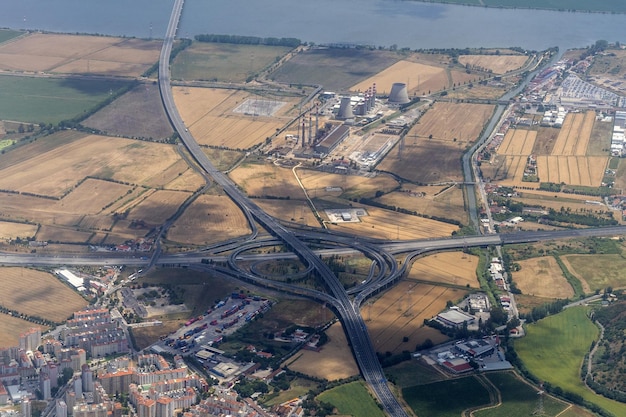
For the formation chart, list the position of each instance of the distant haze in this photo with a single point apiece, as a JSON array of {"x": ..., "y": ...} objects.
[{"x": 373, "y": 22}]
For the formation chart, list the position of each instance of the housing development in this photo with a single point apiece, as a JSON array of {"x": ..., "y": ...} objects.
[{"x": 235, "y": 225}]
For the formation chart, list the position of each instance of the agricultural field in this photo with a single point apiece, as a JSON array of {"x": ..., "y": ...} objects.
[
  {"x": 421, "y": 79},
  {"x": 426, "y": 161},
  {"x": 90, "y": 197},
  {"x": 38, "y": 293},
  {"x": 575, "y": 133},
  {"x": 51, "y": 100},
  {"x": 11, "y": 230},
  {"x": 11, "y": 328},
  {"x": 497, "y": 64},
  {"x": 519, "y": 398},
  {"x": 297, "y": 211},
  {"x": 209, "y": 219},
  {"x": 598, "y": 271},
  {"x": 352, "y": 399},
  {"x": 267, "y": 179},
  {"x": 413, "y": 372},
  {"x": 73, "y": 54},
  {"x": 446, "y": 398},
  {"x": 54, "y": 172},
  {"x": 333, "y": 361},
  {"x": 452, "y": 122},
  {"x": 158, "y": 206},
  {"x": 137, "y": 114},
  {"x": 518, "y": 142},
  {"x": 400, "y": 313},
  {"x": 542, "y": 277},
  {"x": 557, "y": 200},
  {"x": 386, "y": 224},
  {"x": 546, "y": 138},
  {"x": 441, "y": 201},
  {"x": 454, "y": 268},
  {"x": 224, "y": 62},
  {"x": 211, "y": 117},
  {"x": 572, "y": 170},
  {"x": 323, "y": 184},
  {"x": 6, "y": 34},
  {"x": 64, "y": 234},
  {"x": 334, "y": 68},
  {"x": 553, "y": 351}
]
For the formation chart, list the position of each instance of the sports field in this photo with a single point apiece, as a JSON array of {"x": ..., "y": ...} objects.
[
  {"x": 498, "y": 64},
  {"x": 333, "y": 361},
  {"x": 542, "y": 277},
  {"x": 211, "y": 117},
  {"x": 456, "y": 268},
  {"x": 224, "y": 62},
  {"x": 553, "y": 351},
  {"x": 38, "y": 293},
  {"x": 352, "y": 399},
  {"x": 94, "y": 55},
  {"x": 51, "y": 100},
  {"x": 400, "y": 312}
]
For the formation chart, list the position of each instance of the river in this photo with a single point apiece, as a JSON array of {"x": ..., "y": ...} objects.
[{"x": 373, "y": 22}]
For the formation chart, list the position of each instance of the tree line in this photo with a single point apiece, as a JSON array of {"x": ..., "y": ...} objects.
[{"x": 249, "y": 40}]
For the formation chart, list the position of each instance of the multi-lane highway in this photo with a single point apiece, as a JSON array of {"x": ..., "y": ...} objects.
[{"x": 351, "y": 319}]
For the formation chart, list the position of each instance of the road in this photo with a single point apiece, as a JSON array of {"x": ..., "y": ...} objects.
[{"x": 354, "y": 325}]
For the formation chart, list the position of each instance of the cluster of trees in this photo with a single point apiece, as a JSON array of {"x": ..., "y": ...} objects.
[
  {"x": 249, "y": 40},
  {"x": 537, "y": 313}
]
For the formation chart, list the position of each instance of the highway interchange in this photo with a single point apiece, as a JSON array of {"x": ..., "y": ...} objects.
[{"x": 385, "y": 269}]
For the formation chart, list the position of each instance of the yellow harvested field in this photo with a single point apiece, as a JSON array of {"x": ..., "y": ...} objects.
[
  {"x": 79, "y": 54},
  {"x": 209, "y": 219},
  {"x": 177, "y": 176},
  {"x": 518, "y": 142},
  {"x": 158, "y": 206},
  {"x": 352, "y": 186},
  {"x": 572, "y": 170},
  {"x": 421, "y": 78},
  {"x": 386, "y": 224},
  {"x": 10, "y": 230},
  {"x": 267, "y": 180},
  {"x": 514, "y": 167},
  {"x": 400, "y": 312},
  {"x": 189, "y": 180},
  {"x": 542, "y": 277},
  {"x": 38, "y": 293},
  {"x": 11, "y": 328},
  {"x": 461, "y": 77},
  {"x": 447, "y": 121},
  {"x": 63, "y": 234},
  {"x": 333, "y": 361},
  {"x": 90, "y": 197},
  {"x": 209, "y": 114},
  {"x": 442, "y": 201},
  {"x": 548, "y": 201},
  {"x": 455, "y": 268},
  {"x": 291, "y": 210},
  {"x": 53, "y": 172},
  {"x": 498, "y": 64},
  {"x": 575, "y": 133}
]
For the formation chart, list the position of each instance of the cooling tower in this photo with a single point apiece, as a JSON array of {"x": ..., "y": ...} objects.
[
  {"x": 399, "y": 94},
  {"x": 345, "y": 109}
]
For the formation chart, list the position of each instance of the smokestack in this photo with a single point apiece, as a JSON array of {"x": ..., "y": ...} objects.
[
  {"x": 310, "y": 127},
  {"x": 317, "y": 119},
  {"x": 303, "y": 133}
]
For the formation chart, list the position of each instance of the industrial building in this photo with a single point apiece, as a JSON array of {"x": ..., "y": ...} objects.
[{"x": 334, "y": 138}]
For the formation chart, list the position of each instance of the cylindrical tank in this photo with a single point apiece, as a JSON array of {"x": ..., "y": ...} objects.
[{"x": 399, "y": 94}]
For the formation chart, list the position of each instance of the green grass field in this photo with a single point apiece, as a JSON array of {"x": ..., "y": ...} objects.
[
  {"x": 581, "y": 5},
  {"x": 6, "y": 34},
  {"x": 224, "y": 62},
  {"x": 352, "y": 399},
  {"x": 50, "y": 100},
  {"x": 554, "y": 348},
  {"x": 518, "y": 398},
  {"x": 600, "y": 271},
  {"x": 446, "y": 398},
  {"x": 414, "y": 372}
]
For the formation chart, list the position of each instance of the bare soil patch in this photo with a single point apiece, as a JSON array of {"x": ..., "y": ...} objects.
[
  {"x": 542, "y": 277},
  {"x": 38, "y": 293},
  {"x": 333, "y": 361}
]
